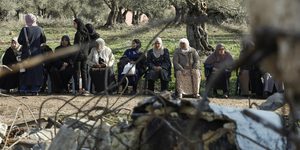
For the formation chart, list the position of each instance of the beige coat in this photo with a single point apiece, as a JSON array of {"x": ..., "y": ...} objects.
[{"x": 180, "y": 59}]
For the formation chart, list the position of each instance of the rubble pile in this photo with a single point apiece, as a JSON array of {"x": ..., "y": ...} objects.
[{"x": 159, "y": 123}]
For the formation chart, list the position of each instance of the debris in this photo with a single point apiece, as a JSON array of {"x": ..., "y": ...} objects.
[
  {"x": 64, "y": 140},
  {"x": 3, "y": 130},
  {"x": 99, "y": 137},
  {"x": 273, "y": 102},
  {"x": 180, "y": 124}
]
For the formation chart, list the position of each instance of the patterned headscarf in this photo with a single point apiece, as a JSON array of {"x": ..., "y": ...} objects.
[
  {"x": 158, "y": 52},
  {"x": 17, "y": 44},
  {"x": 186, "y": 41},
  {"x": 30, "y": 20}
]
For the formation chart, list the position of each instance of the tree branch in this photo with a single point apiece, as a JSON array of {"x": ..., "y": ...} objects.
[{"x": 106, "y": 2}]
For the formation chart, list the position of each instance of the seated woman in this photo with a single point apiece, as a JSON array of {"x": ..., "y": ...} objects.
[
  {"x": 62, "y": 69},
  {"x": 46, "y": 50},
  {"x": 11, "y": 57},
  {"x": 187, "y": 69},
  {"x": 216, "y": 61},
  {"x": 250, "y": 76},
  {"x": 271, "y": 85},
  {"x": 159, "y": 64},
  {"x": 131, "y": 56},
  {"x": 101, "y": 60}
]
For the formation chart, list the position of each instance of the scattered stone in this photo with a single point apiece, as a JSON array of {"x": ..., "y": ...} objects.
[
  {"x": 273, "y": 102},
  {"x": 100, "y": 135},
  {"x": 42, "y": 146},
  {"x": 64, "y": 140}
]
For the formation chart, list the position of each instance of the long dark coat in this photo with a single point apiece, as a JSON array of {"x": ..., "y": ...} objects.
[
  {"x": 32, "y": 76},
  {"x": 12, "y": 80},
  {"x": 163, "y": 61}
]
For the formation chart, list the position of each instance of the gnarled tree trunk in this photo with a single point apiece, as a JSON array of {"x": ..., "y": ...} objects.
[
  {"x": 122, "y": 16},
  {"x": 196, "y": 27},
  {"x": 114, "y": 9},
  {"x": 136, "y": 17}
]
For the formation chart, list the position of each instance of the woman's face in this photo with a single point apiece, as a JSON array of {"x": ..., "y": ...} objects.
[
  {"x": 133, "y": 43},
  {"x": 97, "y": 46},
  {"x": 157, "y": 45},
  {"x": 183, "y": 46},
  {"x": 75, "y": 25},
  {"x": 64, "y": 42},
  {"x": 222, "y": 50},
  {"x": 14, "y": 44}
]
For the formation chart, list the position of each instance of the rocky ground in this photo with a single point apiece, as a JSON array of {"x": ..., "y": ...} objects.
[{"x": 51, "y": 103}]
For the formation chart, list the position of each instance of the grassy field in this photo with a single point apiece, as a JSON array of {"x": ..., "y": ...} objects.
[{"x": 114, "y": 39}]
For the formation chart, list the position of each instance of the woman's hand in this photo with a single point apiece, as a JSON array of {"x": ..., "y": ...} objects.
[
  {"x": 215, "y": 69},
  {"x": 183, "y": 72},
  {"x": 159, "y": 67},
  {"x": 63, "y": 66},
  {"x": 193, "y": 71},
  {"x": 97, "y": 66},
  {"x": 102, "y": 65},
  {"x": 154, "y": 68},
  {"x": 132, "y": 62}
]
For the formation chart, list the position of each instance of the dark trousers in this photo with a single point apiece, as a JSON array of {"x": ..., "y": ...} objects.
[
  {"x": 80, "y": 67},
  {"x": 45, "y": 78},
  {"x": 164, "y": 85}
]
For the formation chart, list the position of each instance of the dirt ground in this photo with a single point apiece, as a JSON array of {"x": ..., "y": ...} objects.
[{"x": 9, "y": 105}]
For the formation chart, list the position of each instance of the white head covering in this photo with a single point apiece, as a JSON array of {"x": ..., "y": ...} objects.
[
  {"x": 158, "y": 52},
  {"x": 101, "y": 44},
  {"x": 17, "y": 44},
  {"x": 104, "y": 52},
  {"x": 186, "y": 41}
]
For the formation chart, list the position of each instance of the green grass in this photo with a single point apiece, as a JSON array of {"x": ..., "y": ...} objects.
[{"x": 114, "y": 40}]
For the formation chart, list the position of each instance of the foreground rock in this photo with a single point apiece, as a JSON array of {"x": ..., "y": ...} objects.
[
  {"x": 64, "y": 140},
  {"x": 273, "y": 102},
  {"x": 171, "y": 124},
  {"x": 3, "y": 130}
]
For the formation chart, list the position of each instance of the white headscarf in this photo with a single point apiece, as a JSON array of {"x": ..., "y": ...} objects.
[
  {"x": 17, "y": 44},
  {"x": 101, "y": 44},
  {"x": 104, "y": 52},
  {"x": 186, "y": 41},
  {"x": 158, "y": 52}
]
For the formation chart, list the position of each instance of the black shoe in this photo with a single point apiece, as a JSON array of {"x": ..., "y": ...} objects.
[
  {"x": 23, "y": 94},
  {"x": 133, "y": 92},
  {"x": 34, "y": 93},
  {"x": 225, "y": 95},
  {"x": 214, "y": 95}
]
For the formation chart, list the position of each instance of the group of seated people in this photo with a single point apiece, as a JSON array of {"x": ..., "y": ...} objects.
[{"x": 157, "y": 65}]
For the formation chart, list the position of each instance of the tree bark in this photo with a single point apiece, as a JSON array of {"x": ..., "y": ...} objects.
[
  {"x": 121, "y": 16},
  {"x": 136, "y": 17},
  {"x": 74, "y": 12},
  {"x": 196, "y": 27},
  {"x": 112, "y": 17}
]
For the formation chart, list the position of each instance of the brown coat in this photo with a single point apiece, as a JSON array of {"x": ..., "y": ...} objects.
[{"x": 180, "y": 59}]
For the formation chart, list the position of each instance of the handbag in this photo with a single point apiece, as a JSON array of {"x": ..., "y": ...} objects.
[{"x": 129, "y": 69}]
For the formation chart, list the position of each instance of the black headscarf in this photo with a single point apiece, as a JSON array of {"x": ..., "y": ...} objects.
[
  {"x": 80, "y": 27},
  {"x": 93, "y": 34},
  {"x": 62, "y": 38},
  {"x": 246, "y": 48},
  {"x": 138, "y": 43},
  {"x": 80, "y": 24}
]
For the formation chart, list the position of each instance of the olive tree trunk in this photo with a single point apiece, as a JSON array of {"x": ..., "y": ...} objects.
[{"x": 196, "y": 27}]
